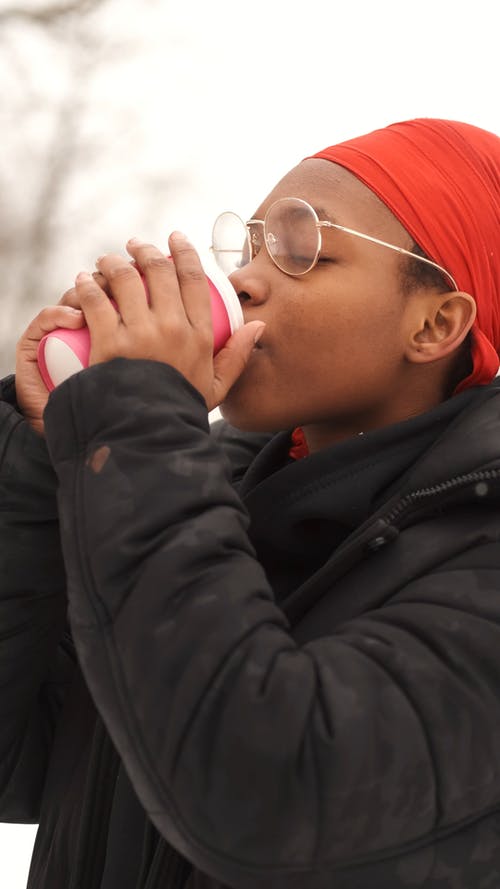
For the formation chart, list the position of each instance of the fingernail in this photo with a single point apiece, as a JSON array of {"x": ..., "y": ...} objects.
[
  {"x": 258, "y": 333},
  {"x": 76, "y": 311},
  {"x": 83, "y": 276},
  {"x": 179, "y": 236},
  {"x": 134, "y": 241}
]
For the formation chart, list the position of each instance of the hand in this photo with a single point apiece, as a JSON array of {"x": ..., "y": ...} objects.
[
  {"x": 31, "y": 392},
  {"x": 176, "y": 326},
  {"x": 70, "y": 298}
]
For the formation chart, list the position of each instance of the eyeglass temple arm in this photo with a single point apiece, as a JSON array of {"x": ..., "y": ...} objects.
[{"x": 351, "y": 231}]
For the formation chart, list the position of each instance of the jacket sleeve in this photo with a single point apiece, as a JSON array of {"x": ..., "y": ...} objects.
[
  {"x": 265, "y": 762},
  {"x": 239, "y": 447},
  {"x": 35, "y": 659}
]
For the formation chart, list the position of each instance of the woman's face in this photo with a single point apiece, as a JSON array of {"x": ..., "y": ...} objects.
[{"x": 332, "y": 354}]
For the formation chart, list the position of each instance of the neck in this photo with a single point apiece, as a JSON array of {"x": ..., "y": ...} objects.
[{"x": 322, "y": 435}]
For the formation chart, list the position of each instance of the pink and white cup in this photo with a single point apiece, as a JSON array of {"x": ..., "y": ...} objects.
[{"x": 63, "y": 352}]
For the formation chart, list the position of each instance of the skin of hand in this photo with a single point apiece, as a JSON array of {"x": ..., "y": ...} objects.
[
  {"x": 123, "y": 335},
  {"x": 175, "y": 327},
  {"x": 31, "y": 392}
]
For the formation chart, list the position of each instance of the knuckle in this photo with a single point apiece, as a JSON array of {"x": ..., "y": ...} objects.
[
  {"x": 119, "y": 273},
  {"x": 68, "y": 298},
  {"x": 192, "y": 273},
  {"x": 85, "y": 286},
  {"x": 183, "y": 248},
  {"x": 45, "y": 315},
  {"x": 22, "y": 344},
  {"x": 88, "y": 294},
  {"x": 157, "y": 263}
]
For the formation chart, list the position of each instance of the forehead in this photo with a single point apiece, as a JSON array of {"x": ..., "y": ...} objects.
[{"x": 339, "y": 196}]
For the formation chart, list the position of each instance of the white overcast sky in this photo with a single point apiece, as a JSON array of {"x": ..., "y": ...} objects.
[
  {"x": 233, "y": 94},
  {"x": 239, "y": 92}
]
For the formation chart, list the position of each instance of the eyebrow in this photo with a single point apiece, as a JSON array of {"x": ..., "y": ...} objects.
[{"x": 322, "y": 214}]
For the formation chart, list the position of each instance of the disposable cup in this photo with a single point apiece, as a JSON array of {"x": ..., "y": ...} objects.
[{"x": 63, "y": 352}]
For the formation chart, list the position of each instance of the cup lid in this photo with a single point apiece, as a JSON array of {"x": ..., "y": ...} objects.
[{"x": 226, "y": 290}]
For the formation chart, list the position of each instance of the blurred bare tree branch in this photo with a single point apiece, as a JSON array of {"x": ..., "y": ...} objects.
[
  {"x": 59, "y": 165},
  {"x": 56, "y": 147},
  {"x": 27, "y": 220},
  {"x": 47, "y": 15}
]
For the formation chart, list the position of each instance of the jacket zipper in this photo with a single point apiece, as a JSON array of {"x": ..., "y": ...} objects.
[
  {"x": 382, "y": 529},
  {"x": 452, "y": 484}
]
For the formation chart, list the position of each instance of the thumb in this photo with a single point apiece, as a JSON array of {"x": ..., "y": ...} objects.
[{"x": 232, "y": 359}]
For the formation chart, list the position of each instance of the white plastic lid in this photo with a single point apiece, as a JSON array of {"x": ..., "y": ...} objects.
[
  {"x": 60, "y": 360},
  {"x": 226, "y": 290}
]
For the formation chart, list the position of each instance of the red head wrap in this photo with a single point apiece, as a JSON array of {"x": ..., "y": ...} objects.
[{"x": 441, "y": 179}]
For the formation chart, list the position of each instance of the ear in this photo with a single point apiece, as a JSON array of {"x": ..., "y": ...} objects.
[{"x": 440, "y": 324}]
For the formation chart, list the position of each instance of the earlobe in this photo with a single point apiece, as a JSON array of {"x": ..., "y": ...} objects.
[{"x": 441, "y": 326}]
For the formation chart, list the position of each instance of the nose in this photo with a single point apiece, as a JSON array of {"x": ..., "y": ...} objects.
[{"x": 252, "y": 283}]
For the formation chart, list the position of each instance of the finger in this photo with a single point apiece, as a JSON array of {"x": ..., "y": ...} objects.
[
  {"x": 161, "y": 278},
  {"x": 69, "y": 298},
  {"x": 232, "y": 359},
  {"x": 125, "y": 285},
  {"x": 193, "y": 283},
  {"x": 97, "y": 308},
  {"x": 49, "y": 319}
]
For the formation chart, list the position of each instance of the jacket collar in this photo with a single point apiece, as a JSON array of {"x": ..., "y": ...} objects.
[{"x": 307, "y": 513}]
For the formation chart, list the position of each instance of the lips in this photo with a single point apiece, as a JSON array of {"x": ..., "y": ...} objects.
[{"x": 258, "y": 347}]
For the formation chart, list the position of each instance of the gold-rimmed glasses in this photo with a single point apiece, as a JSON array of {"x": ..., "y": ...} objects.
[{"x": 291, "y": 234}]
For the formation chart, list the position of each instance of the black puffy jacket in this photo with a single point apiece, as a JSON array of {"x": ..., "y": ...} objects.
[{"x": 289, "y": 673}]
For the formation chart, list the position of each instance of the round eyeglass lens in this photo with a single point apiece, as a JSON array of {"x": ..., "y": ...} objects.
[
  {"x": 230, "y": 242},
  {"x": 292, "y": 236}
]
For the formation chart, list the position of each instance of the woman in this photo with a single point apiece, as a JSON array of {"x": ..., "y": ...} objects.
[{"x": 288, "y": 641}]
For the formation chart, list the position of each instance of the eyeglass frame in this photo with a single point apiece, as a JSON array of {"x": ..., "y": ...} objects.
[{"x": 324, "y": 223}]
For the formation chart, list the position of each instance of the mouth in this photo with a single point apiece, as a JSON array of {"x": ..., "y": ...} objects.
[{"x": 258, "y": 344}]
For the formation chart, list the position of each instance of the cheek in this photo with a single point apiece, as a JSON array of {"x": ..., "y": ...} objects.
[
  {"x": 348, "y": 356},
  {"x": 368, "y": 339},
  {"x": 320, "y": 357},
  {"x": 338, "y": 336}
]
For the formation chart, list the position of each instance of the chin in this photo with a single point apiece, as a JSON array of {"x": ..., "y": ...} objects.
[
  {"x": 257, "y": 403},
  {"x": 246, "y": 419}
]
